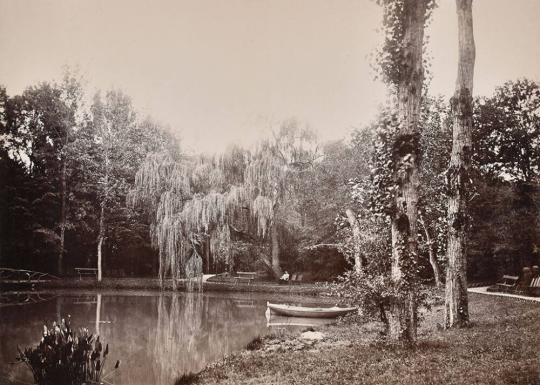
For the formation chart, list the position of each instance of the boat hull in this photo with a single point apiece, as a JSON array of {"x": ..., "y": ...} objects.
[
  {"x": 309, "y": 312},
  {"x": 275, "y": 320}
]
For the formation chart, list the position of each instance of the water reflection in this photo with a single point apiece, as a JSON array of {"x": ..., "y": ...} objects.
[
  {"x": 158, "y": 337},
  {"x": 23, "y": 298}
]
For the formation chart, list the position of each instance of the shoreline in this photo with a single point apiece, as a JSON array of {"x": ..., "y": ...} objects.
[
  {"x": 498, "y": 348},
  {"x": 307, "y": 289}
]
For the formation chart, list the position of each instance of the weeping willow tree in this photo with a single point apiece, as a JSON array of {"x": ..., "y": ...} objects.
[
  {"x": 196, "y": 201},
  {"x": 162, "y": 186},
  {"x": 189, "y": 205},
  {"x": 270, "y": 175}
]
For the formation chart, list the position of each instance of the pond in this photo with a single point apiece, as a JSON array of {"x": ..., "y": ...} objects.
[{"x": 157, "y": 336}]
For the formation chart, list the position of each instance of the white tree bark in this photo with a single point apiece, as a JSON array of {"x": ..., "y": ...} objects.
[
  {"x": 63, "y": 208},
  {"x": 432, "y": 253},
  {"x": 458, "y": 178},
  {"x": 103, "y": 203},
  {"x": 101, "y": 238},
  {"x": 355, "y": 226}
]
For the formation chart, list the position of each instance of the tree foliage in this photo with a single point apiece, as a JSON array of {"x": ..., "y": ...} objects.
[
  {"x": 200, "y": 200},
  {"x": 505, "y": 226},
  {"x": 49, "y": 137},
  {"x": 507, "y": 132}
]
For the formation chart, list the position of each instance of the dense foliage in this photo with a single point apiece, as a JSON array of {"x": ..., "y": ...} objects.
[
  {"x": 505, "y": 226},
  {"x": 53, "y": 173},
  {"x": 504, "y": 213},
  {"x": 302, "y": 186}
]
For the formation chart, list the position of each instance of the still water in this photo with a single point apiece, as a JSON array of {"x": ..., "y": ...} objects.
[{"x": 157, "y": 336}]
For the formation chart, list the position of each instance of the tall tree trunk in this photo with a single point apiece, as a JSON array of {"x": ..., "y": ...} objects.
[
  {"x": 101, "y": 239},
  {"x": 432, "y": 254},
  {"x": 458, "y": 178},
  {"x": 101, "y": 236},
  {"x": 207, "y": 256},
  {"x": 355, "y": 226},
  {"x": 403, "y": 317},
  {"x": 63, "y": 191},
  {"x": 276, "y": 266}
]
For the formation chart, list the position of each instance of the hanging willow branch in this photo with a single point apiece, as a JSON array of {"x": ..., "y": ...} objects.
[
  {"x": 263, "y": 210},
  {"x": 185, "y": 200},
  {"x": 162, "y": 186},
  {"x": 203, "y": 211},
  {"x": 206, "y": 195}
]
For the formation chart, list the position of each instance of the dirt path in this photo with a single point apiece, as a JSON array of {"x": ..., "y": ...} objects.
[{"x": 483, "y": 290}]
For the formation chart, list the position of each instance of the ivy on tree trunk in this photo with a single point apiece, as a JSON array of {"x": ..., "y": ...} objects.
[
  {"x": 458, "y": 176},
  {"x": 405, "y": 155}
]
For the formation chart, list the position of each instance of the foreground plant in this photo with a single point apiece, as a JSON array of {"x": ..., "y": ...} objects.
[{"x": 65, "y": 358}]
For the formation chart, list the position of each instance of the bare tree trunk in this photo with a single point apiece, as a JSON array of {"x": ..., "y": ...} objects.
[
  {"x": 355, "y": 226},
  {"x": 207, "y": 256},
  {"x": 101, "y": 238},
  {"x": 403, "y": 317},
  {"x": 63, "y": 191},
  {"x": 276, "y": 267},
  {"x": 458, "y": 178},
  {"x": 432, "y": 254}
]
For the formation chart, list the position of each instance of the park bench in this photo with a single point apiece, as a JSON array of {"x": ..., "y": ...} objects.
[
  {"x": 508, "y": 282},
  {"x": 86, "y": 271},
  {"x": 296, "y": 278},
  {"x": 534, "y": 286},
  {"x": 245, "y": 276}
]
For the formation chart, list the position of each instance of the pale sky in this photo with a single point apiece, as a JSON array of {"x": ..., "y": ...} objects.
[{"x": 225, "y": 71}]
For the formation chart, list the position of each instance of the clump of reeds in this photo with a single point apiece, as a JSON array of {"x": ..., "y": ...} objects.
[{"x": 64, "y": 357}]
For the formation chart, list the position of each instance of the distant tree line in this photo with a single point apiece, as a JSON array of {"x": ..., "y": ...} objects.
[{"x": 66, "y": 168}]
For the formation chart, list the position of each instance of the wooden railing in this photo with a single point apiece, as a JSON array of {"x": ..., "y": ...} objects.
[{"x": 8, "y": 275}]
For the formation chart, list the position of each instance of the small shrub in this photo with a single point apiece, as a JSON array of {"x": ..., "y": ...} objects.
[
  {"x": 65, "y": 358},
  {"x": 255, "y": 344}
]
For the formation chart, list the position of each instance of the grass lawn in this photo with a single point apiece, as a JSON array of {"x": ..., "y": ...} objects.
[{"x": 502, "y": 346}]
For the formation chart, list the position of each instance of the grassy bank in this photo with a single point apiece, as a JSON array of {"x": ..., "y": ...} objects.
[{"x": 500, "y": 347}]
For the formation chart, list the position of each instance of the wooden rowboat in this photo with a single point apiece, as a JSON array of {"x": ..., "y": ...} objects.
[
  {"x": 280, "y": 321},
  {"x": 309, "y": 312}
]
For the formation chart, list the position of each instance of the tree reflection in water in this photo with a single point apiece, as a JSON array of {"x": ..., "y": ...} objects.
[
  {"x": 178, "y": 325},
  {"x": 158, "y": 336},
  {"x": 195, "y": 329}
]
